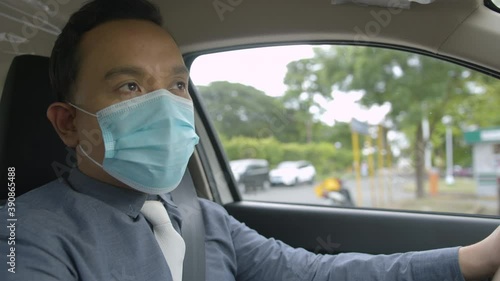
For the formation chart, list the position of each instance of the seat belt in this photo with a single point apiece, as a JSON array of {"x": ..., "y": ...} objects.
[{"x": 193, "y": 229}]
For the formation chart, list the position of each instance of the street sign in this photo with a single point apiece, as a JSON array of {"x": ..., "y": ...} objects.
[
  {"x": 359, "y": 127},
  {"x": 483, "y": 135}
]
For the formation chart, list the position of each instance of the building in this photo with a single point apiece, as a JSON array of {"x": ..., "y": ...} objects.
[{"x": 486, "y": 159}]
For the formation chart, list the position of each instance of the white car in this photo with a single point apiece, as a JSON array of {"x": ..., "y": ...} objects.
[{"x": 293, "y": 173}]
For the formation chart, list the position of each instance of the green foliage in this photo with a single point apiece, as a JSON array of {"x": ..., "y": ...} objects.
[
  {"x": 254, "y": 125},
  {"x": 341, "y": 133},
  {"x": 327, "y": 160},
  {"x": 416, "y": 87},
  {"x": 240, "y": 110},
  {"x": 302, "y": 87},
  {"x": 481, "y": 110}
]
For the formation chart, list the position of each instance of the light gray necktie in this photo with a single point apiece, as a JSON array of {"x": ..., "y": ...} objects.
[{"x": 171, "y": 243}]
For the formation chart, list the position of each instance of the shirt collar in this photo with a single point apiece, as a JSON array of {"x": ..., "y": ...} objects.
[{"x": 128, "y": 201}]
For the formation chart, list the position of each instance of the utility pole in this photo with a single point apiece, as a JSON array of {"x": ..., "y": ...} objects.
[{"x": 449, "y": 150}]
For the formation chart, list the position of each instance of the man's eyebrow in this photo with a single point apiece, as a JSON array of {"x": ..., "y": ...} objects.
[
  {"x": 124, "y": 70},
  {"x": 180, "y": 69}
]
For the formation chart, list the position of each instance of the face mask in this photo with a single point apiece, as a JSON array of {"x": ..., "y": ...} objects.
[{"x": 148, "y": 140}]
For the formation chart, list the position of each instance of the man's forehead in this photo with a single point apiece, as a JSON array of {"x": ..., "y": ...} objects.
[
  {"x": 123, "y": 35},
  {"x": 130, "y": 46}
]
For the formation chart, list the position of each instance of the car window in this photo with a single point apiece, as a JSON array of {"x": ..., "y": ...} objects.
[
  {"x": 253, "y": 167},
  {"x": 494, "y": 4},
  {"x": 382, "y": 128}
]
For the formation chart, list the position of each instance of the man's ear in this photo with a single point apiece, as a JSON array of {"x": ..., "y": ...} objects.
[{"x": 62, "y": 115}]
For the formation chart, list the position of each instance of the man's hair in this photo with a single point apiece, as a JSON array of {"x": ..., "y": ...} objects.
[{"x": 64, "y": 61}]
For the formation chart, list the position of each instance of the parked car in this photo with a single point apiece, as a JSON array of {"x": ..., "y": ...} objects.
[
  {"x": 251, "y": 174},
  {"x": 293, "y": 173}
]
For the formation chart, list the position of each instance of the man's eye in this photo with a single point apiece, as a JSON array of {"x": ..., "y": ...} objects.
[
  {"x": 179, "y": 89},
  {"x": 130, "y": 87},
  {"x": 181, "y": 86}
]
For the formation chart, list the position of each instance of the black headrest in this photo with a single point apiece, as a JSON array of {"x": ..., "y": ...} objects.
[{"x": 28, "y": 142}]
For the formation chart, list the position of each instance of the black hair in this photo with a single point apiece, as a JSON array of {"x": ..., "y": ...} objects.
[{"x": 64, "y": 62}]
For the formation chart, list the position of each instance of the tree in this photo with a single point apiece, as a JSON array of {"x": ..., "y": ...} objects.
[
  {"x": 302, "y": 87},
  {"x": 341, "y": 133},
  {"x": 476, "y": 111},
  {"x": 415, "y": 86},
  {"x": 240, "y": 110}
]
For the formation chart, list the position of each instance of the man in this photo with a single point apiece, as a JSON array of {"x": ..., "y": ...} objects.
[{"x": 124, "y": 107}]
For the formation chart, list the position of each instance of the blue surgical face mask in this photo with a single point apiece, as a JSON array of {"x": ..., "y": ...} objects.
[{"x": 148, "y": 140}]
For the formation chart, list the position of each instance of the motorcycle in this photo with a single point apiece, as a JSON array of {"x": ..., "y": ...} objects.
[{"x": 334, "y": 190}]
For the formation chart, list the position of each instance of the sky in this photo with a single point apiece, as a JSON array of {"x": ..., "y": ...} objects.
[
  {"x": 265, "y": 70},
  {"x": 262, "y": 68}
]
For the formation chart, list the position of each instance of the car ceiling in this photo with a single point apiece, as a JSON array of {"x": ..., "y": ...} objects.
[{"x": 461, "y": 29}]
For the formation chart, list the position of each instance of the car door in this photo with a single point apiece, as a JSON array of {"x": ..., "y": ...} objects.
[
  {"x": 307, "y": 172},
  {"x": 325, "y": 229},
  {"x": 302, "y": 172},
  {"x": 263, "y": 175}
]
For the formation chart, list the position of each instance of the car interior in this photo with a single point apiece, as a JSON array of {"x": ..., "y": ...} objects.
[{"x": 462, "y": 32}]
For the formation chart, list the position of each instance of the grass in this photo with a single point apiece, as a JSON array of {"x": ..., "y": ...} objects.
[
  {"x": 447, "y": 203},
  {"x": 461, "y": 186},
  {"x": 434, "y": 204},
  {"x": 461, "y": 197}
]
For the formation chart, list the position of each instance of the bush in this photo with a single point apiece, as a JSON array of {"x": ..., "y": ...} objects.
[{"x": 324, "y": 156}]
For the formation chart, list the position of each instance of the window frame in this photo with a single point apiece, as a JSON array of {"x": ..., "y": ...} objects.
[{"x": 492, "y": 6}]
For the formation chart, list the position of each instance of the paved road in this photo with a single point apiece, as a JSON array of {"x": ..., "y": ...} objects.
[
  {"x": 393, "y": 191},
  {"x": 305, "y": 193},
  {"x": 295, "y": 194}
]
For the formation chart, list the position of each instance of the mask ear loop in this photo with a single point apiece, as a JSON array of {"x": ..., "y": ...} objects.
[
  {"x": 80, "y": 146},
  {"x": 82, "y": 110},
  {"x": 88, "y": 156}
]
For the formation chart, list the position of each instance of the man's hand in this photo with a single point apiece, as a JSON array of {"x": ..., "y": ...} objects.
[{"x": 481, "y": 260}]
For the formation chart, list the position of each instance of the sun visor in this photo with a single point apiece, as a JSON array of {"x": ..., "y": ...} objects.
[{"x": 402, "y": 4}]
